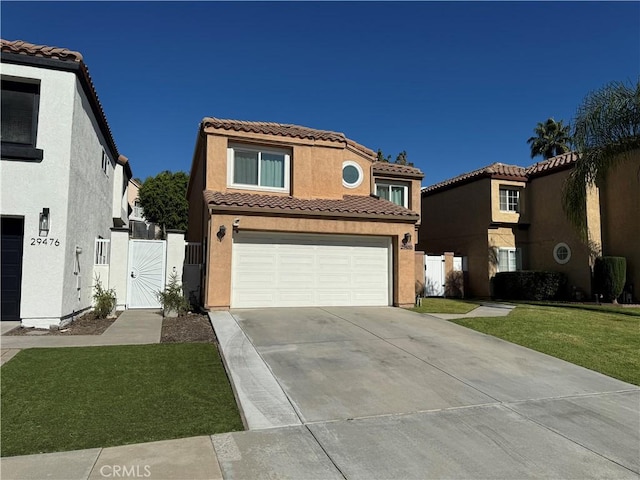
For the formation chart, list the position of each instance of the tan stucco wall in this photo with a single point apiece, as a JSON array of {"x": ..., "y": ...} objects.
[
  {"x": 315, "y": 171},
  {"x": 550, "y": 226},
  {"x": 218, "y": 282},
  {"x": 507, "y": 217},
  {"x": 419, "y": 272},
  {"x": 456, "y": 220},
  {"x": 132, "y": 193},
  {"x": 620, "y": 211},
  {"x": 197, "y": 213}
]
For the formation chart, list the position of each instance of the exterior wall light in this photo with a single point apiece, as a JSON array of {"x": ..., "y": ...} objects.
[
  {"x": 407, "y": 238},
  {"x": 44, "y": 222},
  {"x": 222, "y": 231}
]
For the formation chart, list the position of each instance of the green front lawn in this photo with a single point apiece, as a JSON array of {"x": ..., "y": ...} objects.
[
  {"x": 604, "y": 341},
  {"x": 73, "y": 398},
  {"x": 444, "y": 305}
]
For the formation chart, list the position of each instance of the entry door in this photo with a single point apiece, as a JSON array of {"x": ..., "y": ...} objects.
[
  {"x": 11, "y": 274},
  {"x": 146, "y": 273}
]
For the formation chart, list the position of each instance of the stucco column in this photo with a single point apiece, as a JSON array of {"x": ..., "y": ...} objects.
[
  {"x": 175, "y": 254},
  {"x": 119, "y": 265}
]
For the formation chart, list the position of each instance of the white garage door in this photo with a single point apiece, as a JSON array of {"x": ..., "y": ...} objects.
[{"x": 287, "y": 270}]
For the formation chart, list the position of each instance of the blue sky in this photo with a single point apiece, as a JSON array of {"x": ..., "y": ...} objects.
[{"x": 457, "y": 85}]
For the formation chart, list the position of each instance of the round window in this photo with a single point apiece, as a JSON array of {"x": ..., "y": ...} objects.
[
  {"x": 351, "y": 174},
  {"x": 562, "y": 253}
]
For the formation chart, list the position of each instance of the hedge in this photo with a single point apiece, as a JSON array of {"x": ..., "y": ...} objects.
[
  {"x": 528, "y": 285},
  {"x": 609, "y": 275}
]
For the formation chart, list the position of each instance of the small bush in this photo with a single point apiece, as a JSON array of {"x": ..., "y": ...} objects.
[
  {"x": 609, "y": 275},
  {"x": 104, "y": 299},
  {"x": 172, "y": 299},
  {"x": 454, "y": 284},
  {"x": 529, "y": 285}
]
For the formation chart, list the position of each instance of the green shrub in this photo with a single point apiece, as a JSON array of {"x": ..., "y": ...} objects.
[
  {"x": 104, "y": 299},
  {"x": 609, "y": 275},
  {"x": 529, "y": 285},
  {"x": 172, "y": 299}
]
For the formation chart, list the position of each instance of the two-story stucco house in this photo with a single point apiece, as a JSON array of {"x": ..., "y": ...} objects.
[
  {"x": 63, "y": 183},
  {"x": 294, "y": 216},
  {"x": 506, "y": 217}
]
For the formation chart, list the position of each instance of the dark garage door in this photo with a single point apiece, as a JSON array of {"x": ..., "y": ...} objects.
[{"x": 12, "y": 231}]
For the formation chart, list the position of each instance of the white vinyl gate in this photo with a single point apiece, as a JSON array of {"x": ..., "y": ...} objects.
[
  {"x": 146, "y": 273},
  {"x": 434, "y": 275}
]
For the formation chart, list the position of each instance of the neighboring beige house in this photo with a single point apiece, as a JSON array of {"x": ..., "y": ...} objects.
[
  {"x": 293, "y": 216},
  {"x": 139, "y": 227},
  {"x": 505, "y": 217}
]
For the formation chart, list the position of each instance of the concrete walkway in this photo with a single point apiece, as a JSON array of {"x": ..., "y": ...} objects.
[
  {"x": 133, "y": 327},
  {"x": 484, "y": 310}
]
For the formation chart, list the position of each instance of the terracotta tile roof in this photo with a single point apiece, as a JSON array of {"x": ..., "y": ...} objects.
[
  {"x": 20, "y": 47},
  {"x": 397, "y": 170},
  {"x": 25, "y": 48},
  {"x": 515, "y": 172},
  {"x": 495, "y": 169},
  {"x": 349, "y": 205},
  {"x": 283, "y": 130},
  {"x": 552, "y": 164}
]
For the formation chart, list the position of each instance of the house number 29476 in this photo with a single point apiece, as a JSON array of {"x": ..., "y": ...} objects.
[{"x": 54, "y": 242}]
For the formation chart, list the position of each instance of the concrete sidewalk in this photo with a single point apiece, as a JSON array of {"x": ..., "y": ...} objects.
[
  {"x": 133, "y": 327},
  {"x": 186, "y": 458}
]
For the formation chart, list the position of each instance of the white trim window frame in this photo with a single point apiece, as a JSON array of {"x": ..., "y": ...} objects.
[
  {"x": 390, "y": 186},
  {"x": 259, "y": 152},
  {"x": 509, "y": 259},
  {"x": 562, "y": 253},
  {"x": 509, "y": 200},
  {"x": 354, "y": 165}
]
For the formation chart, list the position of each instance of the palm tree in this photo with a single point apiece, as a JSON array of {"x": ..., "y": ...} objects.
[
  {"x": 606, "y": 131},
  {"x": 552, "y": 138}
]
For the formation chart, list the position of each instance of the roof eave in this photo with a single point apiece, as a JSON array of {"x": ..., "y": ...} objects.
[
  {"x": 310, "y": 213},
  {"x": 79, "y": 68}
]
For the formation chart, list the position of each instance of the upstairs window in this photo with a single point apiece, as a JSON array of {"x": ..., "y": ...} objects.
[
  {"x": 352, "y": 174},
  {"x": 394, "y": 192},
  {"x": 258, "y": 168},
  {"x": 509, "y": 200},
  {"x": 20, "y": 102},
  {"x": 105, "y": 163}
]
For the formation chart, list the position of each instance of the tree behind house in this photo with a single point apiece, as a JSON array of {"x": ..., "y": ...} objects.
[
  {"x": 164, "y": 200},
  {"x": 551, "y": 138}
]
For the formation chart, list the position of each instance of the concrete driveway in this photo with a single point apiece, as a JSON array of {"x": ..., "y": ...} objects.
[{"x": 388, "y": 393}]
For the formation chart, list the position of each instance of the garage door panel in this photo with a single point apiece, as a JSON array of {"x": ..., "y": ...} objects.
[
  {"x": 296, "y": 282},
  {"x": 335, "y": 298},
  {"x": 334, "y": 280},
  {"x": 329, "y": 261},
  {"x": 294, "y": 298},
  {"x": 309, "y": 270}
]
